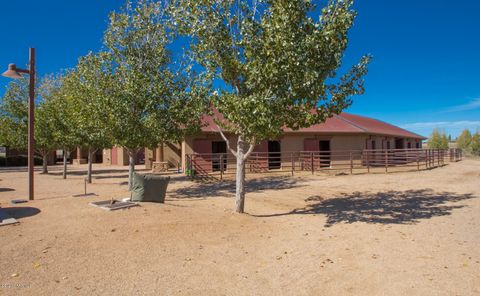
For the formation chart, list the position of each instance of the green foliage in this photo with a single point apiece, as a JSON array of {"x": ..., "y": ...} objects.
[
  {"x": 47, "y": 122},
  {"x": 85, "y": 101},
  {"x": 464, "y": 140},
  {"x": 14, "y": 115},
  {"x": 150, "y": 99},
  {"x": 475, "y": 144},
  {"x": 280, "y": 64},
  {"x": 438, "y": 140},
  {"x": 60, "y": 113}
]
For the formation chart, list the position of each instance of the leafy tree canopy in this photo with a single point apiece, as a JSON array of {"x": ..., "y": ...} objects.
[
  {"x": 280, "y": 65},
  {"x": 464, "y": 140},
  {"x": 151, "y": 98},
  {"x": 14, "y": 115},
  {"x": 438, "y": 140}
]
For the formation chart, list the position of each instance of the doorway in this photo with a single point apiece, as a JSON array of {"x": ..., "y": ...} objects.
[
  {"x": 325, "y": 155},
  {"x": 219, "y": 151},
  {"x": 399, "y": 144},
  {"x": 274, "y": 155}
]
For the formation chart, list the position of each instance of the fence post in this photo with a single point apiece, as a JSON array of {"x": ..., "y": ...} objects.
[
  {"x": 429, "y": 158},
  {"x": 426, "y": 159},
  {"x": 418, "y": 160},
  {"x": 311, "y": 162},
  {"x": 368, "y": 162},
  {"x": 351, "y": 163},
  {"x": 293, "y": 164},
  {"x": 221, "y": 166},
  {"x": 386, "y": 161}
]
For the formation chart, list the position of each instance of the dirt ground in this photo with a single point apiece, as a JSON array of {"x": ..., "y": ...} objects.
[{"x": 414, "y": 233}]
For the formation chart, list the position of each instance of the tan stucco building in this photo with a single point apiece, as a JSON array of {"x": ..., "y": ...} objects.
[{"x": 343, "y": 132}]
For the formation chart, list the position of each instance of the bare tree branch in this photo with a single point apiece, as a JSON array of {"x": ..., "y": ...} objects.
[
  {"x": 250, "y": 150},
  {"x": 226, "y": 141}
]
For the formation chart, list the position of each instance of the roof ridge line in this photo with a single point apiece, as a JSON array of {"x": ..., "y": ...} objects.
[
  {"x": 350, "y": 122},
  {"x": 390, "y": 124}
]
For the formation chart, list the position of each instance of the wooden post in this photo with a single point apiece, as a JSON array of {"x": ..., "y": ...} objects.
[
  {"x": 221, "y": 166},
  {"x": 368, "y": 162},
  {"x": 311, "y": 162},
  {"x": 192, "y": 160},
  {"x": 386, "y": 161},
  {"x": 293, "y": 164},
  {"x": 351, "y": 163},
  {"x": 426, "y": 159},
  {"x": 418, "y": 160},
  {"x": 432, "y": 159},
  {"x": 429, "y": 158}
]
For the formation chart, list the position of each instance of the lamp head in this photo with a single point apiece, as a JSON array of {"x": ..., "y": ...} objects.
[{"x": 12, "y": 72}]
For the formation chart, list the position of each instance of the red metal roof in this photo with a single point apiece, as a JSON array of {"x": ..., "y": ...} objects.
[
  {"x": 375, "y": 126},
  {"x": 343, "y": 123}
]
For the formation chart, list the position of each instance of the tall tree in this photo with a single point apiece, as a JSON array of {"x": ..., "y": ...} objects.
[
  {"x": 14, "y": 117},
  {"x": 152, "y": 98},
  {"x": 464, "y": 140},
  {"x": 279, "y": 66},
  {"x": 61, "y": 116},
  {"x": 475, "y": 144},
  {"x": 85, "y": 90},
  {"x": 437, "y": 140},
  {"x": 44, "y": 129}
]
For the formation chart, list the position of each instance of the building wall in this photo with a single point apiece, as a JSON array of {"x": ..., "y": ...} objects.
[
  {"x": 115, "y": 156},
  {"x": 119, "y": 156},
  {"x": 340, "y": 146},
  {"x": 189, "y": 143},
  {"x": 169, "y": 153}
]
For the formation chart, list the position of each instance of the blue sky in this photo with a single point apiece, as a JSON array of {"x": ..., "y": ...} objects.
[{"x": 425, "y": 72}]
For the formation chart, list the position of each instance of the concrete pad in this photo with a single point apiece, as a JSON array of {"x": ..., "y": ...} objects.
[{"x": 111, "y": 207}]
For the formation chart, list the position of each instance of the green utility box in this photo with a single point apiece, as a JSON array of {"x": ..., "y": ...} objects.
[{"x": 149, "y": 187}]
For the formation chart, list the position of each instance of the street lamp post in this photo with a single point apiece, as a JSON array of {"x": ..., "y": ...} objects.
[{"x": 14, "y": 72}]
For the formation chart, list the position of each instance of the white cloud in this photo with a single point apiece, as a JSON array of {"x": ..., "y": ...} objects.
[
  {"x": 473, "y": 104},
  {"x": 442, "y": 124}
]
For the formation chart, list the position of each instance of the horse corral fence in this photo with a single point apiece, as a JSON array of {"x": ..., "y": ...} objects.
[{"x": 348, "y": 161}]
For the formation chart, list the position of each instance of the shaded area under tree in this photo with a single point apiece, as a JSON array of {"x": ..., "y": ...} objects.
[
  {"x": 390, "y": 207},
  {"x": 227, "y": 188}
]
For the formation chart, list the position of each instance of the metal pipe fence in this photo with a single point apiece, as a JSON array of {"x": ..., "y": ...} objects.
[{"x": 219, "y": 165}]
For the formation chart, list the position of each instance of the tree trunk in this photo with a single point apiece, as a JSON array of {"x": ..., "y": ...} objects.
[
  {"x": 65, "y": 163},
  {"x": 240, "y": 177},
  {"x": 45, "y": 163},
  {"x": 89, "y": 171},
  {"x": 131, "y": 168}
]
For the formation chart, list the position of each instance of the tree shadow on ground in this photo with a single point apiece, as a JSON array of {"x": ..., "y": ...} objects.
[
  {"x": 227, "y": 188},
  {"x": 21, "y": 212},
  {"x": 391, "y": 207},
  {"x": 95, "y": 172},
  {"x": 6, "y": 189},
  {"x": 111, "y": 177}
]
